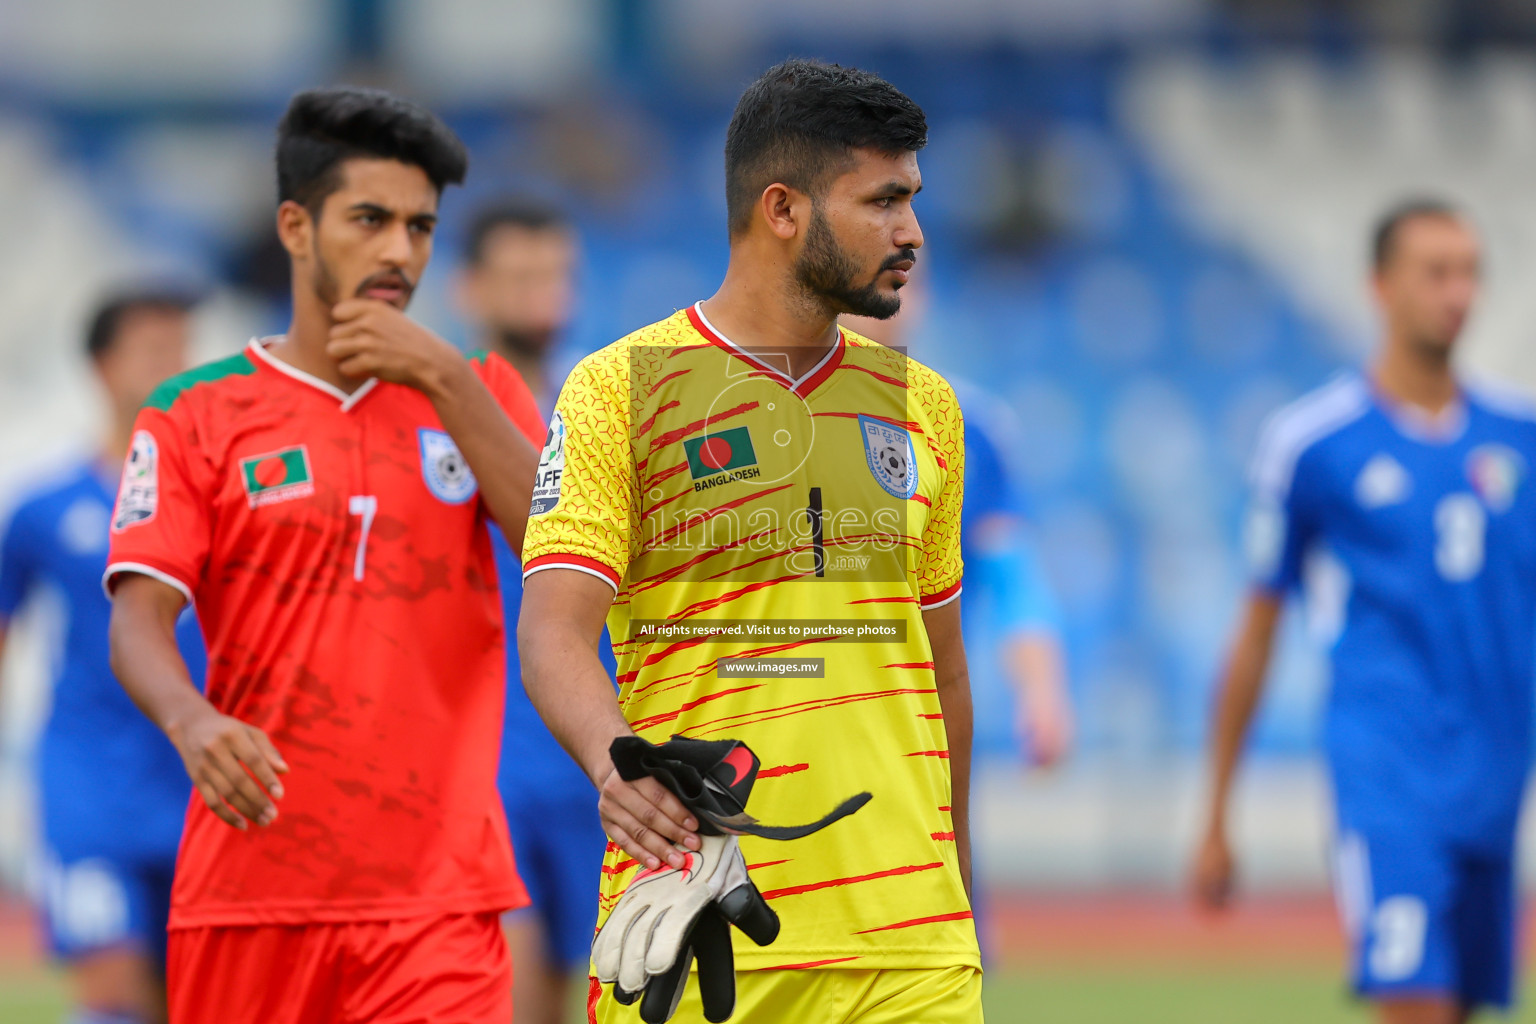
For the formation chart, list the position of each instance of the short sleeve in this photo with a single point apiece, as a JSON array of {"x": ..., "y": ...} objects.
[
  {"x": 939, "y": 565},
  {"x": 584, "y": 498},
  {"x": 1277, "y": 532},
  {"x": 18, "y": 563},
  {"x": 161, "y": 525},
  {"x": 511, "y": 393}
]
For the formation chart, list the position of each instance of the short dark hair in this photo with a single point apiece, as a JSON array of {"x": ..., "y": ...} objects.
[
  {"x": 524, "y": 212},
  {"x": 325, "y": 127},
  {"x": 1390, "y": 224},
  {"x": 108, "y": 318},
  {"x": 800, "y": 119}
]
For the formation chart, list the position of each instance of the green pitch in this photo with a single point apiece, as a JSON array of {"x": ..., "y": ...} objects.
[
  {"x": 31, "y": 999},
  {"x": 1079, "y": 995},
  {"x": 1083, "y": 996},
  {"x": 1066, "y": 996}
]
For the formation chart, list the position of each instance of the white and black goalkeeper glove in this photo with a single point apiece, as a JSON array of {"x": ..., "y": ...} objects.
[{"x": 669, "y": 917}]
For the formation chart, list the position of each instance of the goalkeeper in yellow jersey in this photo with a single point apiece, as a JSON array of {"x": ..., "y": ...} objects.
[{"x": 765, "y": 508}]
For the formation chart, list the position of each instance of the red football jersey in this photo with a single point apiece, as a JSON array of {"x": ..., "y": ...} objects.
[{"x": 336, "y": 547}]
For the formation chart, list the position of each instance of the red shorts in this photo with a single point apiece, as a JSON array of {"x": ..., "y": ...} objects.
[{"x": 443, "y": 970}]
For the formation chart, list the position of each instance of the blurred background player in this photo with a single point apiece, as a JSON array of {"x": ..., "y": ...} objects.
[
  {"x": 1020, "y": 682},
  {"x": 1012, "y": 624},
  {"x": 323, "y": 496},
  {"x": 1019, "y": 685},
  {"x": 1404, "y": 500},
  {"x": 517, "y": 288},
  {"x": 105, "y": 889}
]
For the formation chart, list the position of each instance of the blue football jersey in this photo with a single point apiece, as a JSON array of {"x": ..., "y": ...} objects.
[
  {"x": 1423, "y": 544},
  {"x": 534, "y": 766},
  {"x": 1006, "y": 592},
  {"x": 109, "y": 781},
  {"x": 1004, "y": 581}
]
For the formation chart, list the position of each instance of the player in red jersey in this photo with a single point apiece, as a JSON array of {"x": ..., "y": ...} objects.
[{"x": 323, "y": 499}]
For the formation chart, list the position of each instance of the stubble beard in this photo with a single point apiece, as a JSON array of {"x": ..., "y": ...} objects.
[
  {"x": 529, "y": 344},
  {"x": 322, "y": 281},
  {"x": 826, "y": 275}
]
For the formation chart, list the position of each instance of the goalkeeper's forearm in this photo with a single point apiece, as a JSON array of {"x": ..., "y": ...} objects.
[{"x": 557, "y": 636}]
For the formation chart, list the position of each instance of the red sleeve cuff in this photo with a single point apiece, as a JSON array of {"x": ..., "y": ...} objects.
[
  {"x": 943, "y": 597},
  {"x": 581, "y": 563}
]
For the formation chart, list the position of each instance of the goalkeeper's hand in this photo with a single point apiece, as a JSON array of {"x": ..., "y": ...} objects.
[{"x": 668, "y": 916}]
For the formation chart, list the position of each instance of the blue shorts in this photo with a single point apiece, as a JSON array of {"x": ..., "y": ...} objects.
[
  {"x": 94, "y": 903},
  {"x": 559, "y": 844},
  {"x": 1427, "y": 918}
]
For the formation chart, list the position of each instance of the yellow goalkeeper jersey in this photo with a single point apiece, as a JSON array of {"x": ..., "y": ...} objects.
[{"x": 772, "y": 544}]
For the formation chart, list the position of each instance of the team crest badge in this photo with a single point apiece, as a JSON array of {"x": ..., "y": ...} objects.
[
  {"x": 888, "y": 450},
  {"x": 443, "y": 468},
  {"x": 138, "y": 496},
  {"x": 546, "y": 483},
  {"x": 277, "y": 476},
  {"x": 1495, "y": 472},
  {"x": 1382, "y": 482}
]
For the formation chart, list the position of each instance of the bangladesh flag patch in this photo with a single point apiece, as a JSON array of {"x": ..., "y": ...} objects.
[
  {"x": 715, "y": 459},
  {"x": 277, "y": 476}
]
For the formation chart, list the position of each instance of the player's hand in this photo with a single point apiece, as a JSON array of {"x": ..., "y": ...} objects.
[
  {"x": 371, "y": 338},
  {"x": 1211, "y": 881},
  {"x": 645, "y": 820},
  {"x": 1046, "y": 727},
  {"x": 234, "y": 766}
]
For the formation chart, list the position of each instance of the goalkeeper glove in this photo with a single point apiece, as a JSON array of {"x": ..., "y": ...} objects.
[{"x": 668, "y": 917}]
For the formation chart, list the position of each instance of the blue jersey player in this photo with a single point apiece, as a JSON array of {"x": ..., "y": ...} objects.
[
  {"x": 1411, "y": 493},
  {"x": 1011, "y": 624},
  {"x": 106, "y": 875},
  {"x": 518, "y": 287}
]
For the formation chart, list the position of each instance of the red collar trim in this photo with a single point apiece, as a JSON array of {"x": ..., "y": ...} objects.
[{"x": 802, "y": 387}]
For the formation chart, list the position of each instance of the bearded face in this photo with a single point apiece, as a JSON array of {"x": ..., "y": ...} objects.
[{"x": 827, "y": 270}]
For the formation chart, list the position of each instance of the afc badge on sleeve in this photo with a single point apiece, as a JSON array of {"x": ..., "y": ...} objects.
[
  {"x": 443, "y": 468},
  {"x": 138, "y": 496},
  {"x": 888, "y": 450}
]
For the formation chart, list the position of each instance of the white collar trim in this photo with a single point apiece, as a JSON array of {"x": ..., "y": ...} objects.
[
  {"x": 698, "y": 307},
  {"x": 1416, "y": 424},
  {"x": 259, "y": 347}
]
